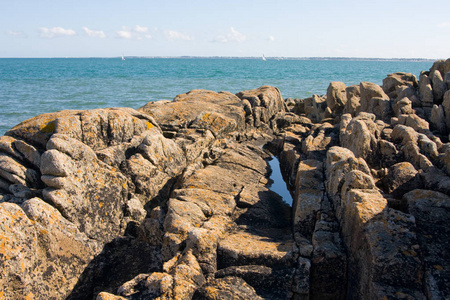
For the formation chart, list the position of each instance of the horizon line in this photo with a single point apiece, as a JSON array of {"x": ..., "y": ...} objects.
[{"x": 243, "y": 57}]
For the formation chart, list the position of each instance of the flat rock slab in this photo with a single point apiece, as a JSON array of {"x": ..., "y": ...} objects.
[
  {"x": 226, "y": 288},
  {"x": 269, "y": 248}
]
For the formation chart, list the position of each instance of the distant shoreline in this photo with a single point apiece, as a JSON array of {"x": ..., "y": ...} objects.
[{"x": 241, "y": 57}]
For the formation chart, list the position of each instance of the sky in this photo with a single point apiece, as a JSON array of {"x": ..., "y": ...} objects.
[{"x": 282, "y": 28}]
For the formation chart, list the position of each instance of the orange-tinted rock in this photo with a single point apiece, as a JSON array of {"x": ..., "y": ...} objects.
[
  {"x": 221, "y": 112},
  {"x": 185, "y": 211}
]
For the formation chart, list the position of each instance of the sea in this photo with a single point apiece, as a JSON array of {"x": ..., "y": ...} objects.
[{"x": 32, "y": 86}]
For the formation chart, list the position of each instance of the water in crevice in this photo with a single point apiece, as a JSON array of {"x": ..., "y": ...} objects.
[{"x": 278, "y": 185}]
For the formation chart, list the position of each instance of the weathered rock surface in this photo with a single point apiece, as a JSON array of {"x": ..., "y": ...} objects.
[
  {"x": 336, "y": 97},
  {"x": 431, "y": 212},
  {"x": 353, "y": 99},
  {"x": 173, "y": 201}
]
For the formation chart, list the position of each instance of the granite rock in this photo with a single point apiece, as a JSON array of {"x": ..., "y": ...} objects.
[{"x": 174, "y": 200}]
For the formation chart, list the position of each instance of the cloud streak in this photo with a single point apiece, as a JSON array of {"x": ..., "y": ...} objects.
[
  {"x": 94, "y": 33},
  {"x": 53, "y": 32},
  {"x": 137, "y": 33},
  {"x": 15, "y": 33},
  {"x": 444, "y": 25},
  {"x": 172, "y": 35},
  {"x": 232, "y": 36}
]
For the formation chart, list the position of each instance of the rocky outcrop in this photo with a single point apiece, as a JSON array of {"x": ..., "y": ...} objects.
[
  {"x": 376, "y": 236},
  {"x": 174, "y": 200},
  {"x": 395, "y": 84},
  {"x": 336, "y": 97}
]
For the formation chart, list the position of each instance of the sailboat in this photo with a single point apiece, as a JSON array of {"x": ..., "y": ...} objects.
[
  {"x": 123, "y": 58},
  {"x": 264, "y": 58}
]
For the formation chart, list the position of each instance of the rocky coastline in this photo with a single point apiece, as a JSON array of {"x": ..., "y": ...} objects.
[{"x": 173, "y": 200}]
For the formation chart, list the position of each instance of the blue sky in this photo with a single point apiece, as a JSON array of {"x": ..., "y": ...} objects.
[{"x": 346, "y": 28}]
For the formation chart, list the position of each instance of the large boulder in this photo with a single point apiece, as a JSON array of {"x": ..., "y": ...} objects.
[
  {"x": 369, "y": 91},
  {"x": 437, "y": 119},
  {"x": 97, "y": 128},
  {"x": 417, "y": 148},
  {"x": 88, "y": 192},
  {"x": 439, "y": 86},
  {"x": 425, "y": 90},
  {"x": 36, "y": 238},
  {"x": 336, "y": 97},
  {"x": 265, "y": 101},
  {"x": 221, "y": 113},
  {"x": 400, "y": 179},
  {"x": 360, "y": 134},
  {"x": 403, "y": 106},
  {"x": 353, "y": 100},
  {"x": 409, "y": 92},
  {"x": 80, "y": 163},
  {"x": 415, "y": 122},
  {"x": 443, "y": 66},
  {"x": 393, "y": 81}
]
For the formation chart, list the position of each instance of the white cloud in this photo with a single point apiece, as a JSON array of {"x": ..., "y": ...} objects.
[
  {"x": 233, "y": 36},
  {"x": 271, "y": 38},
  {"x": 138, "y": 33},
  {"x": 94, "y": 33},
  {"x": 15, "y": 33},
  {"x": 140, "y": 29},
  {"x": 444, "y": 25},
  {"x": 172, "y": 35},
  {"x": 55, "y": 32},
  {"x": 125, "y": 33}
]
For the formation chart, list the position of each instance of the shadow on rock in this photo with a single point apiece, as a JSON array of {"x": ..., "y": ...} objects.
[{"x": 120, "y": 261}]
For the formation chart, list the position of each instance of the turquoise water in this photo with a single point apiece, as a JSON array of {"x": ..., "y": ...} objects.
[{"x": 29, "y": 87}]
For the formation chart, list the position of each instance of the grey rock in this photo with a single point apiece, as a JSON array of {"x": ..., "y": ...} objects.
[
  {"x": 410, "y": 93},
  {"x": 425, "y": 91},
  {"x": 368, "y": 91},
  {"x": 431, "y": 210},
  {"x": 446, "y": 108},
  {"x": 437, "y": 119},
  {"x": 309, "y": 193},
  {"x": 439, "y": 86},
  {"x": 361, "y": 135},
  {"x": 393, "y": 81},
  {"x": 400, "y": 179},
  {"x": 336, "y": 97},
  {"x": 403, "y": 106},
  {"x": 353, "y": 100}
]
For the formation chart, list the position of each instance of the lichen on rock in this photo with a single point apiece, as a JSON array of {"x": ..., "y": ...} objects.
[{"x": 173, "y": 201}]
